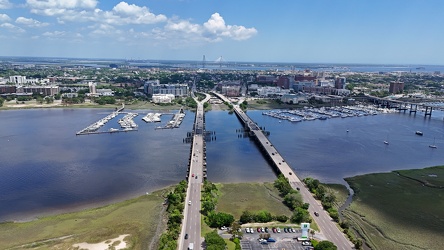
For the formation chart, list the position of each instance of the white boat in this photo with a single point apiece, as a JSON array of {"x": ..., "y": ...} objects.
[
  {"x": 433, "y": 145},
  {"x": 386, "y": 142}
]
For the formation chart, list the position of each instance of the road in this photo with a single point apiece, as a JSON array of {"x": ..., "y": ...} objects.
[
  {"x": 326, "y": 225},
  {"x": 191, "y": 225}
]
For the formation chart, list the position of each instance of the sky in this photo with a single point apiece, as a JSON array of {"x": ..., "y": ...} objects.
[{"x": 294, "y": 31}]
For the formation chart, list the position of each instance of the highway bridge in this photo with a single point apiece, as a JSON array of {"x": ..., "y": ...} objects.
[
  {"x": 327, "y": 226},
  {"x": 191, "y": 224}
]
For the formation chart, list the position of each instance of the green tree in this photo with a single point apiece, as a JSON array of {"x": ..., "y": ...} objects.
[
  {"x": 263, "y": 216},
  {"x": 1, "y": 101},
  {"x": 214, "y": 241},
  {"x": 300, "y": 215},
  {"x": 246, "y": 217},
  {"x": 293, "y": 200},
  {"x": 235, "y": 230},
  {"x": 325, "y": 245}
]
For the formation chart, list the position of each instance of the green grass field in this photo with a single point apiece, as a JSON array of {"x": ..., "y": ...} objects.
[
  {"x": 137, "y": 217},
  {"x": 392, "y": 211},
  {"x": 340, "y": 191},
  {"x": 236, "y": 198}
]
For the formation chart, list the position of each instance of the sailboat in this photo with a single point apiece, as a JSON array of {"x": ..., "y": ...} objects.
[
  {"x": 386, "y": 142},
  {"x": 433, "y": 145}
]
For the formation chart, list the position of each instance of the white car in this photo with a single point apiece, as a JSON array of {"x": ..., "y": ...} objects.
[
  {"x": 278, "y": 230},
  {"x": 247, "y": 230},
  {"x": 189, "y": 202}
]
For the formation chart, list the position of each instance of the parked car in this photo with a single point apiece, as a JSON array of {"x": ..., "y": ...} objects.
[
  {"x": 251, "y": 230},
  {"x": 266, "y": 229},
  {"x": 274, "y": 230},
  {"x": 306, "y": 243},
  {"x": 258, "y": 229},
  {"x": 247, "y": 230},
  {"x": 271, "y": 240},
  {"x": 285, "y": 229},
  {"x": 278, "y": 230}
]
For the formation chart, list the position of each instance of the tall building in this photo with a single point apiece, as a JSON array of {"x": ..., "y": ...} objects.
[
  {"x": 17, "y": 79},
  {"x": 396, "y": 87},
  {"x": 92, "y": 88},
  {"x": 154, "y": 87},
  {"x": 340, "y": 82}
]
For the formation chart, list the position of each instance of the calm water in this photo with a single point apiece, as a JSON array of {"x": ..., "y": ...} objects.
[{"x": 46, "y": 168}]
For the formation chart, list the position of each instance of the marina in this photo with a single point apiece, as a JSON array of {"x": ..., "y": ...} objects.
[
  {"x": 175, "y": 121},
  {"x": 152, "y": 117},
  {"x": 324, "y": 113}
]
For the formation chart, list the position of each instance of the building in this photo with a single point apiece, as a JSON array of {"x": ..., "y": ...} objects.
[
  {"x": 272, "y": 91},
  {"x": 104, "y": 92},
  {"x": 294, "y": 98},
  {"x": 230, "y": 90},
  {"x": 92, "y": 88},
  {"x": 300, "y": 85},
  {"x": 283, "y": 82},
  {"x": 40, "y": 90},
  {"x": 8, "y": 89},
  {"x": 268, "y": 79},
  {"x": 163, "y": 98},
  {"x": 154, "y": 87},
  {"x": 396, "y": 87},
  {"x": 17, "y": 79},
  {"x": 340, "y": 82}
]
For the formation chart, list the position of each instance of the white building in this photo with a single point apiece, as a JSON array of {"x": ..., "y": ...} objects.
[
  {"x": 92, "y": 88},
  {"x": 163, "y": 98},
  {"x": 293, "y": 98},
  {"x": 272, "y": 91},
  {"x": 17, "y": 79}
]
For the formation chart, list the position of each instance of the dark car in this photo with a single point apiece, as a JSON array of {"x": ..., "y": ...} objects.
[
  {"x": 316, "y": 213},
  {"x": 186, "y": 236},
  {"x": 285, "y": 229}
]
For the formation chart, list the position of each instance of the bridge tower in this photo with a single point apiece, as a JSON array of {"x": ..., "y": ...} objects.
[{"x": 203, "y": 61}]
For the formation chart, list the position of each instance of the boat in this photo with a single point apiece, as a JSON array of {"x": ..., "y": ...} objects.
[
  {"x": 418, "y": 132},
  {"x": 433, "y": 145},
  {"x": 386, "y": 142},
  {"x": 111, "y": 130}
]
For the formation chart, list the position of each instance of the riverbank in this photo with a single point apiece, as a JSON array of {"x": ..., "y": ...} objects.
[
  {"x": 400, "y": 209},
  {"x": 134, "y": 218}
]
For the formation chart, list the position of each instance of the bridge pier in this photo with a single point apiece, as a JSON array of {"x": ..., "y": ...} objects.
[
  {"x": 428, "y": 111},
  {"x": 413, "y": 108}
]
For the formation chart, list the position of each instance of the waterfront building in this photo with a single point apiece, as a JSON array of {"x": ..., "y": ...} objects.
[
  {"x": 300, "y": 85},
  {"x": 294, "y": 98},
  {"x": 272, "y": 91},
  {"x": 8, "y": 89},
  {"x": 396, "y": 87},
  {"x": 104, "y": 92},
  {"x": 231, "y": 90},
  {"x": 41, "y": 90},
  {"x": 154, "y": 87},
  {"x": 163, "y": 98},
  {"x": 283, "y": 82}
]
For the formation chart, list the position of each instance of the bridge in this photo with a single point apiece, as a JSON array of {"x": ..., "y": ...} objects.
[
  {"x": 326, "y": 225},
  {"x": 403, "y": 105},
  {"x": 191, "y": 224}
]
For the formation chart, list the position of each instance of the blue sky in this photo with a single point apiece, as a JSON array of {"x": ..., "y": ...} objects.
[{"x": 305, "y": 31}]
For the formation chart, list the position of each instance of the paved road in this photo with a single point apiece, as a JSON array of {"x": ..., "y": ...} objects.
[
  {"x": 191, "y": 225},
  {"x": 327, "y": 226}
]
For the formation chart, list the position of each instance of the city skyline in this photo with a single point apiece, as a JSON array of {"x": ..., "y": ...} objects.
[{"x": 376, "y": 32}]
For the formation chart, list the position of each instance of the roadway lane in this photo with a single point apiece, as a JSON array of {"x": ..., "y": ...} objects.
[
  {"x": 191, "y": 225},
  {"x": 326, "y": 225}
]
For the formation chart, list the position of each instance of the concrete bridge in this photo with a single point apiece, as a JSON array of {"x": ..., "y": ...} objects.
[
  {"x": 403, "y": 105},
  {"x": 280, "y": 166}
]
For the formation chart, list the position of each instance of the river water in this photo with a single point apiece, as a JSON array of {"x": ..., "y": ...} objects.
[{"x": 45, "y": 168}]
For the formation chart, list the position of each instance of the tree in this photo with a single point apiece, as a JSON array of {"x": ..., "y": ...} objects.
[
  {"x": 293, "y": 200},
  {"x": 300, "y": 215},
  {"x": 325, "y": 245},
  {"x": 235, "y": 230},
  {"x": 246, "y": 217},
  {"x": 312, "y": 232},
  {"x": 1, "y": 101},
  {"x": 263, "y": 216},
  {"x": 214, "y": 241}
]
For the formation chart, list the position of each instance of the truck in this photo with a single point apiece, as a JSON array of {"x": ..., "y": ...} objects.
[{"x": 191, "y": 246}]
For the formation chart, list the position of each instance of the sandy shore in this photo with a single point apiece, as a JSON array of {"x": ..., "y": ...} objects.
[{"x": 116, "y": 243}]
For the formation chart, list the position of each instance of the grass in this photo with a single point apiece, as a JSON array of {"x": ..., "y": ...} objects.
[
  {"x": 137, "y": 217},
  {"x": 392, "y": 211},
  {"x": 236, "y": 198},
  {"x": 340, "y": 191}
]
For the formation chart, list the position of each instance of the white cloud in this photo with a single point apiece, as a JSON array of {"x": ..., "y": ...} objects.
[
  {"x": 5, "y": 4},
  {"x": 216, "y": 27},
  {"x": 62, "y": 4},
  {"x": 55, "y": 34},
  {"x": 30, "y": 22},
  {"x": 59, "y": 7},
  {"x": 12, "y": 27},
  {"x": 4, "y": 18}
]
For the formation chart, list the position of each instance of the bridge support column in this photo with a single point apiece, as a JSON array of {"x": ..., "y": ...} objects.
[
  {"x": 428, "y": 111},
  {"x": 413, "y": 108}
]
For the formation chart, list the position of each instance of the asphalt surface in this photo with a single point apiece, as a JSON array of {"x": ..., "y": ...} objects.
[{"x": 191, "y": 225}]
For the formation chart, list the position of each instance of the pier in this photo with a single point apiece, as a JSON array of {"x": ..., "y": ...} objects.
[{"x": 175, "y": 121}]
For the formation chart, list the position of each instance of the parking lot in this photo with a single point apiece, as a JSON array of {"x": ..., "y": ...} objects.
[{"x": 284, "y": 241}]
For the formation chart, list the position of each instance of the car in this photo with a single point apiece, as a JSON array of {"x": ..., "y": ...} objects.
[
  {"x": 272, "y": 153},
  {"x": 292, "y": 230},
  {"x": 306, "y": 243},
  {"x": 316, "y": 213},
  {"x": 266, "y": 229},
  {"x": 258, "y": 229},
  {"x": 298, "y": 189},
  {"x": 186, "y": 236},
  {"x": 247, "y": 230},
  {"x": 274, "y": 230},
  {"x": 223, "y": 228},
  {"x": 262, "y": 230},
  {"x": 189, "y": 202},
  {"x": 264, "y": 242},
  {"x": 278, "y": 230},
  {"x": 196, "y": 176},
  {"x": 192, "y": 175},
  {"x": 251, "y": 230},
  {"x": 271, "y": 240},
  {"x": 285, "y": 229}
]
